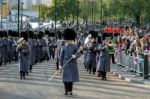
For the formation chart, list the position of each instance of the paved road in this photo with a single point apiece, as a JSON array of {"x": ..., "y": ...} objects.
[{"x": 36, "y": 85}]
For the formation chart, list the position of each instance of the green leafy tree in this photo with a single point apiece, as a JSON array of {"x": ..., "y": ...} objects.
[{"x": 130, "y": 8}]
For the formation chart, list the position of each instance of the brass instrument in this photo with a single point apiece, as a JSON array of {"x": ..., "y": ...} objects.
[{"x": 21, "y": 42}]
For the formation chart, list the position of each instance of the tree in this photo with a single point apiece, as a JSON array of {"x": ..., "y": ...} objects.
[
  {"x": 130, "y": 8},
  {"x": 33, "y": 7}
]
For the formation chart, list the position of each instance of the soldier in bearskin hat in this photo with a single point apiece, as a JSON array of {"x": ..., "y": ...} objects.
[
  {"x": 48, "y": 41},
  {"x": 24, "y": 53},
  {"x": 44, "y": 53},
  {"x": 103, "y": 63},
  {"x": 32, "y": 46},
  {"x": 52, "y": 45},
  {"x": 68, "y": 62},
  {"x": 1, "y": 48},
  {"x": 39, "y": 48},
  {"x": 90, "y": 46},
  {"x": 15, "y": 39},
  {"x": 5, "y": 47},
  {"x": 35, "y": 48},
  {"x": 10, "y": 46}
]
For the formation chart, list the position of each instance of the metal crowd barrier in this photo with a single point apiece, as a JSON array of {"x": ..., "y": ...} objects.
[{"x": 139, "y": 65}]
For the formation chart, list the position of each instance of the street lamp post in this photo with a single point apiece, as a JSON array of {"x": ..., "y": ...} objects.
[
  {"x": 39, "y": 16},
  {"x": 55, "y": 18},
  {"x": 77, "y": 15},
  {"x": 91, "y": 2},
  {"x": 92, "y": 14},
  {"x": 101, "y": 10},
  {"x": 19, "y": 16}
]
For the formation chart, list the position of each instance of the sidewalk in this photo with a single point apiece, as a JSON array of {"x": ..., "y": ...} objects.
[{"x": 128, "y": 76}]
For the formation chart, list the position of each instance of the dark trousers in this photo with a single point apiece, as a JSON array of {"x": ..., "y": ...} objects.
[
  {"x": 30, "y": 68},
  {"x": 112, "y": 58},
  {"x": 103, "y": 74},
  {"x": 68, "y": 86},
  {"x": 52, "y": 54},
  {"x": 57, "y": 65},
  {"x": 91, "y": 69},
  {"x": 22, "y": 74}
]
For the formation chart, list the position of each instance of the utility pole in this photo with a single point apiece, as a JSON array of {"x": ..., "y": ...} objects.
[
  {"x": 19, "y": 17},
  {"x": 92, "y": 14},
  {"x": 101, "y": 10},
  {"x": 39, "y": 9},
  {"x": 55, "y": 18},
  {"x": 77, "y": 15}
]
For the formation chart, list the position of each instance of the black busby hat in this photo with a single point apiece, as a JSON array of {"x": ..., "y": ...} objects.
[
  {"x": 39, "y": 36},
  {"x": 34, "y": 36},
  {"x": 47, "y": 32},
  {"x": 93, "y": 34},
  {"x": 69, "y": 34},
  {"x": 24, "y": 35},
  {"x": 10, "y": 33},
  {"x": 42, "y": 33},
  {"x": 16, "y": 34},
  {"x": 52, "y": 34},
  {"x": 99, "y": 39},
  {"x": 1, "y": 34},
  {"x": 30, "y": 34},
  {"x": 5, "y": 34}
]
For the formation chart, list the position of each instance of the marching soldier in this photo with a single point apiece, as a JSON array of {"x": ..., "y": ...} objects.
[
  {"x": 43, "y": 46},
  {"x": 91, "y": 46},
  {"x": 68, "y": 62},
  {"x": 24, "y": 52},
  {"x": 15, "y": 39},
  {"x": 103, "y": 65},
  {"x": 31, "y": 46},
  {"x": 48, "y": 41},
  {"x": 39, "y": 48},
  {"x": 52, "y": 46},
  {"x": 35, "y": 47},
  {"x": 5, "y": 47},
  {"x": 10, "y": 46},
  {"x": 1, "y": 48}
]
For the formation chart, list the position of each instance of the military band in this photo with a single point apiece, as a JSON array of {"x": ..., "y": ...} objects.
[{"x": 30, "y": 48}]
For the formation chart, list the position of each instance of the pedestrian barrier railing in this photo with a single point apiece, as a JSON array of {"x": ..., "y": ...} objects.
[{"x": 139, "y": 65}]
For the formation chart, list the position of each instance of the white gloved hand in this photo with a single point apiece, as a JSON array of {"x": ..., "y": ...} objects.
[
  {"x": 73, "y": 56},
  {"x": 60, "y": 67}
]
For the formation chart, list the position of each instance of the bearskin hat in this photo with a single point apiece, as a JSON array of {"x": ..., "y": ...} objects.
[
  {"x": 99, "y": 39},
  {"x": 5, "y": 34},
  {"x": 69, "y": 34},
  {"x": 52, "y": 34},
  {"x": 39, "y": 36},
  {"x": 93, "y": 34},
  {"x": 34, "y": 36},
  {"x": 42, "y": 33},
  {"x": 10, "y": 33},
  {"x": 30, "y": 34},
  {"x": 1, "y": 34},
  {"x": 24, "y": 35},
  {"x": 47, "y": 32},
  {"x": 16, "y": 34}
]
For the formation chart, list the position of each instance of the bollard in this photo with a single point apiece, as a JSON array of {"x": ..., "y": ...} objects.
[{"x": 146, "y": 65}]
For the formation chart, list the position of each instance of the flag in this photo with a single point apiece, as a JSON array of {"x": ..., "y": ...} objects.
[{"x": 6, "y": 9}]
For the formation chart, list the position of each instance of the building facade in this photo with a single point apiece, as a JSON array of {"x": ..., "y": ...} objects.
[{"x": 47, "y": 2}]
